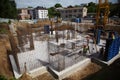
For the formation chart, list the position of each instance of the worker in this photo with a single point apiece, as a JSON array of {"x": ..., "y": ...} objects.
[{"x": 85, "y": 48}]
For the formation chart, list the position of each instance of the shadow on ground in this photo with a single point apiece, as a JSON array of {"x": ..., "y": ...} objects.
[{"x": 111, "y": 72}]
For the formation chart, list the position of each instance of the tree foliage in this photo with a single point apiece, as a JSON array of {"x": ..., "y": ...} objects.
[
  {"x": 91, "y": 4},
  {"x": 114, "y": 8},
  {"x": 8, "y": 9},
  {"x": 70, "y": 6},
  {"x": 92, "y": 7},
  {"x": 52, "y": 12},
  {"x": 57, "y": 5}
]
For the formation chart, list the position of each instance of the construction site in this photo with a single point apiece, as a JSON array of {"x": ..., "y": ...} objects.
[{"x": 62, "y": 50}]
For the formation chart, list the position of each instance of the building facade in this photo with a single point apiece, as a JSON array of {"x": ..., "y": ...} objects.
[
  {"x": 23, "y": 13},
  {"x": 40, "y": 13},
  {"x": 75, "y": 12},
  {"x": 32, "y": 13}
]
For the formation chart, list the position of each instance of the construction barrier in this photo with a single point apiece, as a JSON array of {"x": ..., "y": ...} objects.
[{"x": 112, "y": 48}]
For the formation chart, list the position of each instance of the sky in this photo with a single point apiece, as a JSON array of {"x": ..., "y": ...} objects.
[{"x": 50, "y": 3}]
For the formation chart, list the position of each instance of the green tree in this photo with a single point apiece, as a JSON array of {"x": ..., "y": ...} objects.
[
  {"x": 8, "y": 9},
  {"x": 114, "y": 9},
  {"x": 70, "y": 6},
  {"x": 30, "y": 7},
  {"x": 51, "y": 12},
  {"x": 91, "y": 4},
  {"x": 92, "y": 7},
  {"x": 58, "y": 5},
  {"x": 77, "y": 6}
]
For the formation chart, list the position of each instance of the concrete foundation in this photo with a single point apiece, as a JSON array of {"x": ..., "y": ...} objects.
[
  {"x": 104, "y": 63},
  {"x": 65, "y": 73}
]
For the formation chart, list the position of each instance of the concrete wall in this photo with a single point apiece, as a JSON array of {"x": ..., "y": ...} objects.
[
  {"x": 65, "y": 73},
  {"x": 34, "y": 58}
]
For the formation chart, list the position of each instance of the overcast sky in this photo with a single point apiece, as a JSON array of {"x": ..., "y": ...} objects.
[{"x": 49, "y": 3}]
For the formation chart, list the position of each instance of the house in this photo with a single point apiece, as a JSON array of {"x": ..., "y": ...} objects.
[
  {"x": 40, "y": 13},
  {"x": 23, "y": 13},
  {"x": 72, "y": 12},
  {"x": 32, "y": 13}
]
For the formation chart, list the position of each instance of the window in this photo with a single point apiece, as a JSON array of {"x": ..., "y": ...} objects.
[
  {"x": 62, "y": 11},
  {"x": 75, "y": 10},
  {"x": 70, "y": 11},
  {"x": 80, "y": 10},
  {"x": 70, "y": 15},
  {"x": 66, "y": 11}
]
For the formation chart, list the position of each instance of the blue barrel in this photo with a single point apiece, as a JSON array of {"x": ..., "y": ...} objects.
[
  {"x": 113, "y": 49},
  {"x": 46, "y": 29},
  {"x": 77, "y": 20}
]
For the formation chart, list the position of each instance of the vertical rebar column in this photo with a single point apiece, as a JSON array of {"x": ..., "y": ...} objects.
[
  {"x": 30, "y": 38},
  {"x": 51, "y": 28},
  {"x": 20, "y": 40}
]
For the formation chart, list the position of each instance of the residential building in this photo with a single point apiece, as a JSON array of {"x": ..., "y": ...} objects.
[
  {"x": 23, "y": 13},
  {"x": 40, "y": 13},
  {"x": 75, "y": 12},
  {"x": 32, "y": 13}
]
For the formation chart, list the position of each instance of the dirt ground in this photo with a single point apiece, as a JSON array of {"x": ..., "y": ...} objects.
[
  {"x": 45, "y": 76},
  {"x": 5, "y": 68},
  {"x": 78, "y": 75},
  {"x": 25, "y": 77}
]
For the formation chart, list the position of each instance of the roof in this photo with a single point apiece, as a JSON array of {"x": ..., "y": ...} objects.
[
  {"x": 40, "y": 8},
  {"x": 25, "y": 8},
  {"x": 72, "y": 8}
]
